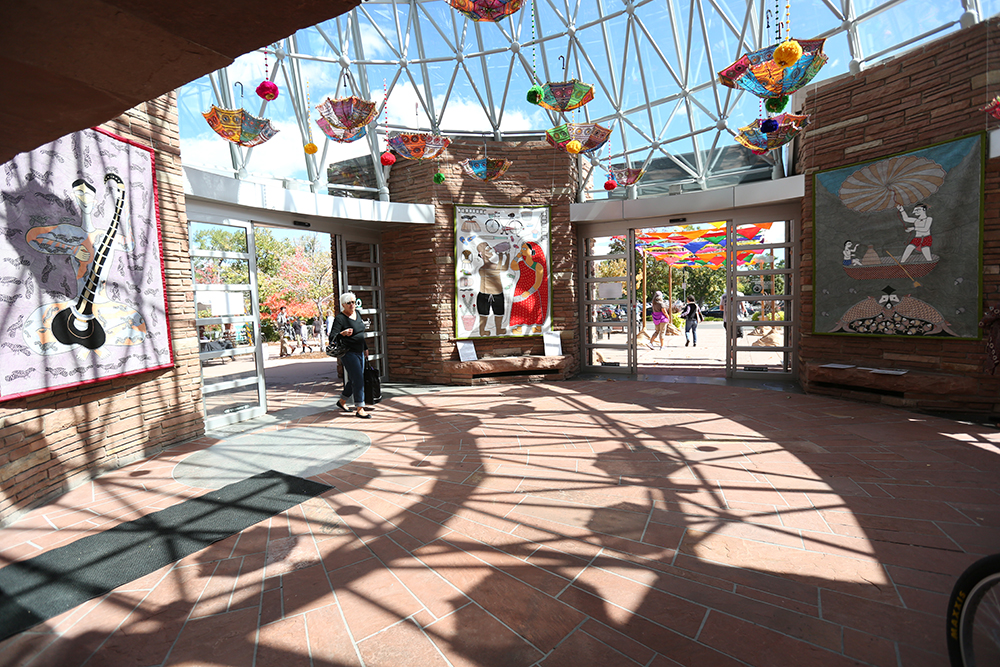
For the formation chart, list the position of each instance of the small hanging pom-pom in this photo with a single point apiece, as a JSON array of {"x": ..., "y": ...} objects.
[
  {"x": 438, "y": 178},
  {"x": 776, "y": 104},
  {"x": 768, "y": 126},
  {"x": 310, "y": 148},
  {"x": 610, "y": 184},
  {"x": 787, "y": 53},
  {"x": 574, "y": 147},
  {"x": 388, "y": 159},
  {"x": 535, "y": 94},
  {"x": 267, "y": 90}
]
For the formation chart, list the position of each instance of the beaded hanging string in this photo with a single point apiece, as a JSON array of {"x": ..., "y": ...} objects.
[
  {"x": 387, "y": 158},
  {"x": 310, "y": 148}
]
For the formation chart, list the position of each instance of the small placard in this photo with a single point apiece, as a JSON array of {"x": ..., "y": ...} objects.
[
  {"x": 466, "y": 350},
  {"x": 839, "y": 366},
  {"x": 553, "y": 344}
]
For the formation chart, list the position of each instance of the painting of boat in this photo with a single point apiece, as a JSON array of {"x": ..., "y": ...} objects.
[{"x": 889, "y": 268}]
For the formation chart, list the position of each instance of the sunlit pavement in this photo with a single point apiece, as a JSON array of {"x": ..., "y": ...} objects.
[{"x": 571, "y": 523}]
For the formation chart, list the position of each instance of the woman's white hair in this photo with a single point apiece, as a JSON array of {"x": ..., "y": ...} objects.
[{"x": 347, "y": 297}]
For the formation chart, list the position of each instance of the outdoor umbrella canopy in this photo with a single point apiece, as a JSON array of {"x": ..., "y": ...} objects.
[
  {"x": 418, "y": 146},
  {"x": 760, "y": 142},
  {"x": 340, "y": 134},
  {"x": 486, "y": 10},
  {"x": 757, "y": 73},
  {"x": 347, "y": 112},
  {"x": 239, "y": 127},
  {"x": 590, "y": 135},
  {"x": 566, "y": 95},
  {"x": 627, "y": 176},
  {"x": 487, "y": 169}
]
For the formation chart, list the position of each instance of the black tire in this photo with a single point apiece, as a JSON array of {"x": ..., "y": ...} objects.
[
  {"x": 974, "y": 614},
  {"x": 515, "y": 227},
  {"x": 492, "y": 226}
]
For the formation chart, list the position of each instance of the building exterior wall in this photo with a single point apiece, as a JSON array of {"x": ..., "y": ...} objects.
[
  {"x": 54, "y": 441},
  {"x": 931, "y": 95},
  {"x": 420, "y": 265}
]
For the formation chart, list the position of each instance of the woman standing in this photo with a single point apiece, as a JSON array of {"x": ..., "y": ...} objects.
[
  {"x": 660, "y": 319},
  {"x": 348, "y": 323},
  {"x": 530, "y": 304}
]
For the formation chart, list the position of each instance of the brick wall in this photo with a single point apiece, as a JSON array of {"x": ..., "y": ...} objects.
[
  {"x": 55, "y": 441},
  {"x": 420, "y": 264},
  {"x": 928, "y": 96}
]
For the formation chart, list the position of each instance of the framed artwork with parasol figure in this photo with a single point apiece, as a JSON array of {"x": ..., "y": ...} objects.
[
  {"x": 81, "y": 265},
  {"x": 899, "y": 243}
]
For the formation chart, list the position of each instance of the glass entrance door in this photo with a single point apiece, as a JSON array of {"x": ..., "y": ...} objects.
[
  {"x": 608, "y": 312},
  {"x": 359, "y": 270},
  {"x": 759, "y": 315},
  {"x": 224, "y": 273}
]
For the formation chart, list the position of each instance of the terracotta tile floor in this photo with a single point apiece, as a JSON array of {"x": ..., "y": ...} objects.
[{"x": 566, "y": 524}]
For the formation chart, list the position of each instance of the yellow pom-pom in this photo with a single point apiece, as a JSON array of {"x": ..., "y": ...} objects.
[
  {"x": 574, "y": 147},
  {"x": 788, "y": 53},
  {"x": 310, "y": 148}
]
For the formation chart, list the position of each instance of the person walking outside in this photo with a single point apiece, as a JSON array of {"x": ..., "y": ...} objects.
[
  {"x": 349, "y": 324},
  {"x": 661, "y": 316},
  {"x": 691, "y": 314}
]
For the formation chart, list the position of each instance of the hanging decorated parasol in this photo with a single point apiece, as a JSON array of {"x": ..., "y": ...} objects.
[
  {"x": 576, "y": 138},
  {"x": 340, "y": 134},
  {"x": 418, "y": 146},
  {"x": 487, "y": 169},
  {"x": 347, "y": 112},
  {"x": 565, "y": 95},
  {"x": 239, "y": 127},
  {"x": 993, "y": 108},
  {"x": 897, "y": 181},
  {"x": 627, "y": 176},
  {"x": 758, "y": 72},
  {"x": 758, "y": 141},
  {"x": 486, "y": 10}
]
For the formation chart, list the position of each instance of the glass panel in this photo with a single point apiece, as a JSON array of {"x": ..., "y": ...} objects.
[
  {"x": 205, "y": 236},
  {"x": 224, "y": 303},
  {"x": 768, "y": 310},
  {"x": 762, "y": 357},
  {"x": 217, "y": 271},
  {"x": 229, "y": 369},
  {"x": 762, "y": 259},
  {"x": 229, "y": 336},
  {"x": 231, "y": 400}
]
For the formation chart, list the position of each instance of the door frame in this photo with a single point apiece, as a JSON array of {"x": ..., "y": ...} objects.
[{"x": 734, "y": 217}]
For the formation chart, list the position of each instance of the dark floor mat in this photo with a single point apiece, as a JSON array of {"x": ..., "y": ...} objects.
[{"x": 34, "y": 590}]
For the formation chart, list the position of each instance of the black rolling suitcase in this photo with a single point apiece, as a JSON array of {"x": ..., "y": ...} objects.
[{"x": 373, "y": 385}]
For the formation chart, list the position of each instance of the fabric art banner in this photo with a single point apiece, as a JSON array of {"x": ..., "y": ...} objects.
[
  {"x": 502, "y": 271},
  {"x": 898, "y": 244},
  {"x": 81, "y": 269}
]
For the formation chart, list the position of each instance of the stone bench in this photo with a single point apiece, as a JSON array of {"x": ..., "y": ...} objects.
[{"x": 494, "y": 370}]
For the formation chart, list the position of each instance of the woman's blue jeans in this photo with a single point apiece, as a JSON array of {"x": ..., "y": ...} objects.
[{"x": 354, "y": 377}]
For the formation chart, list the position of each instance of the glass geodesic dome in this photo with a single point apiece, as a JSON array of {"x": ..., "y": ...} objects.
[{"x": 653, "y": 63}]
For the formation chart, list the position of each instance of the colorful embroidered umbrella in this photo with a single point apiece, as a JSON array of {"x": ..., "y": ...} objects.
[
  {"x": 993, "y": 108},
  {"x": 590, "y": 136},
  {"x": 760, "y": 142},
  {"x": 239, "y": 127},
  {"x": 486, "y": 10},
  {"x": 757, "y": 73},
  {"x": 897, "y": 181},
  {"x": 418, "y": 146},
  {"x": 340, "y": 134},
  {"x": 566, "y": 95},
  {"x": 347, "y": 112},
  {"x": 627, "y": 176},
  {"x": 487, "y": 169}
]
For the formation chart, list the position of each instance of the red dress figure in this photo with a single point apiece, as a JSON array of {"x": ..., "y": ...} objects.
[{"x": 530, "y": 304}]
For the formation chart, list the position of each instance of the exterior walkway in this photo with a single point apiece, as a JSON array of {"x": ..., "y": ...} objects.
[{"x": 601, "y": 522}]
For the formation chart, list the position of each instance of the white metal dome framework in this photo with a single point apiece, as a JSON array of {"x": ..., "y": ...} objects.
[{"x": 653, "y": 64}]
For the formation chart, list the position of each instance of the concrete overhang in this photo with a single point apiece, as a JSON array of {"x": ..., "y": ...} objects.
[
  {"x": 271, "y": 203},
  {"x": 761, "y": 193}
]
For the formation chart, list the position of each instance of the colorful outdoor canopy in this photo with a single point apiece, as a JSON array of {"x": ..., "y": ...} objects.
[
  {"x": 757, "y": 73},
  {"x": 701, "y": 247},
  {"x": 759, "y": 142},
  {"x": 486, "y": 10},
  {"x": 590, "y": 135},
  {"x": 566, "y": 95},
  {"x": 347, "y": 112},
  {"x": 339, "y": 134},
  {"x": 487, "y": 169},
  {"x": 418, "y": 146}
]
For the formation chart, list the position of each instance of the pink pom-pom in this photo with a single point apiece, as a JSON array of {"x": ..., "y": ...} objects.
[
  {"x": 267, "y": 90},
  {"x": 610, "y": 184},
  {"x": 388, "y": 159}
]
